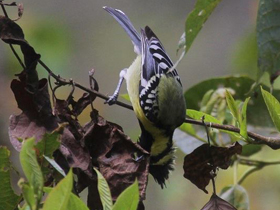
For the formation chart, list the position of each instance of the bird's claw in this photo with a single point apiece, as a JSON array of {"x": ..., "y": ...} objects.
[{"x": 112, "y": 100}]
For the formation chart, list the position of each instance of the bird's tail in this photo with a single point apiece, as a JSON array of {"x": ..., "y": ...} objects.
[
  {"x": 124, "y": 21},
  {"x": 161, "y": 172}
]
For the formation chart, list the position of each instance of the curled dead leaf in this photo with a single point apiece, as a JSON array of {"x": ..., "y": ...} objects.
[
  {"x": 115, "y": 155},
  {"x": 216, "y": 203},
  {"x": 200, "y": 166}
]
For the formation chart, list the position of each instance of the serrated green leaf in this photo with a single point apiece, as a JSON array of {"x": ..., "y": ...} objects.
[
  {"x": 268, "y": 33},
  {"x": 237, "y": 196},
  {"x": 232, "y": 106},
  {"x": 59, "y": 197},
  {"x": 46, "y": 147},
  {"x": 48, "y": 144},
  {"x": 75, "y": 203},
  {"x": 28, "y": 194},
  {"x": 273, "y": 107},
  {"x": 208, "y": 118},
  {"x": 195, "y": 21},
  {"x": 104, "y": 191},
  {"x": 210, "y": 104},
  {"x": 31, "y": 169},
  {"x": 241, "y": 85},
  {"x": 128, "y": 199},
  {"x": 8, "y": 199},
  {"x": 243, "y": 118},
  {"x": 250, "y": 149},
  {"x": 197, "y": 115},
  {"x": 206, "y": 98},
  {"x": 189, "y": 129}
]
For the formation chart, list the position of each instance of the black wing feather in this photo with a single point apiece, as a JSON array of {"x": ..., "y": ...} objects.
[{"x": 155, "y": 63}]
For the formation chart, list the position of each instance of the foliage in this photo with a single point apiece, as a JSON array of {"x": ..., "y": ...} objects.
[
  {"x": 54, "y": 147},
  {"x": 8, "y": 198},
  {"x": 268, "y": 37}
]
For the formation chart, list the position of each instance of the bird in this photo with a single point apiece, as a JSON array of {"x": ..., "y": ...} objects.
[{"x": 156, "y": 93}]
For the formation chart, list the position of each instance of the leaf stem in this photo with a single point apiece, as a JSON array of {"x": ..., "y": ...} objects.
[
  {"x": 11, "y": 46},
  {"x": 247, "y": 173},
  {"x": 235, "y": 172},
  {"x": 257, "y": 165}
]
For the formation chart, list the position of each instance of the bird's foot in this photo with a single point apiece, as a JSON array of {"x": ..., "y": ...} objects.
[{"x": 112, "y": 100}]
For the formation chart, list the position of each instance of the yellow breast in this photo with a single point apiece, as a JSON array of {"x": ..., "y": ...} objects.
[{"x": 133, "y": 77}]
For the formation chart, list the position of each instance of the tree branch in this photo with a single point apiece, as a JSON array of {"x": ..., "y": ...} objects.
[{"x": 273, "y": 142}]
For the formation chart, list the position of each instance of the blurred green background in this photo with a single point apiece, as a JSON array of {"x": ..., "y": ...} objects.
[{"x": 75, "y": 36}]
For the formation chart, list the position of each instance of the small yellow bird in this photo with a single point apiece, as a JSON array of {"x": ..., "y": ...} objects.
[{"x": 156, "y": 94}]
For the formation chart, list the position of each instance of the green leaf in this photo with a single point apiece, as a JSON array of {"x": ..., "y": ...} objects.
[
  {"x": 232, "y": 106},
  {"x": 245, "y": 56},
  {"x": 59, "y": 197},
  {"x": 189, "y": 129},
  {"x": 237, "y": 196},
  {"x": 197, "y": 115},
  {"x": 48, "y": 144},
  {"x": 268, "y": 33},
  {"x": 8, "y": 199},
  {"x": 243, "y": 123},
  {"x": 128, "y": 199},
  {"x": 257, "y": 113},
  {"x": 75, "y": 203},
  {"x": 104, "y": 191},
  {"x": 31, "y": 169},
  {"x": 250, "y": 149},
  {"x": 28, "y": 193},
  {"x": 46, "y": 147},
  {"x": 273, "y": 107},
  {"x": 196, "y": 20},
  {"x": 206, "y": 98}
]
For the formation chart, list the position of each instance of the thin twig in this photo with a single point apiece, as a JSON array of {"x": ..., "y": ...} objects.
[
  {"x": 247, "y": 173},
  {"x": 210, "y": 154},
  {"x": 273, "y": 142},
  {"x": 11, "y": 46},
  {"x": 257, "y": 165},
  {"x": 4, "y": 10},
  {"x": 63, "y": 81}
]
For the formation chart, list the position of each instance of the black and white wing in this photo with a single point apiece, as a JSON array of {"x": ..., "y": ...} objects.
[{"x": 155, "y": 64}]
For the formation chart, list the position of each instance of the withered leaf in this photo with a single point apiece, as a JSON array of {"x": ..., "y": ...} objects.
[
  {"x": 36, "y": 104},
  {"x": 203, "y": 160},
  {"x": 36, "y": 117},
  {"x": 216, "y": 203},
  {"x": 65, "y": 114},
  {"x": 76, "y": 156},
  {"x": 11, "y": 33},
  {"x": 23, "y": 127},
  {"x": 114, "y": 154},
  {"x": 81, "y": 104},
  {"x": 20, "y": 10}
]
